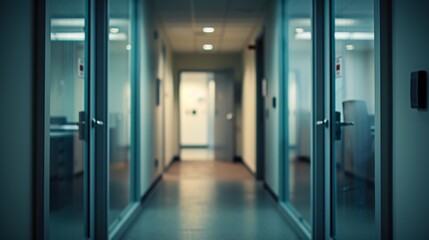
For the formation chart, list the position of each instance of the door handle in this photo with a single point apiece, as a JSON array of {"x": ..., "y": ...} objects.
[
  {"x": 345, "y": 124},
  {"x": 339, "y": 125},
  {"x": 82, "y": 124},
  {"x": 324, "y": 122},
  {"x": 96, "y": 123}
]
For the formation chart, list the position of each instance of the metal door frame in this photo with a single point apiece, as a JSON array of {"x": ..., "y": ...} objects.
[{"x": 383, "y": 119}]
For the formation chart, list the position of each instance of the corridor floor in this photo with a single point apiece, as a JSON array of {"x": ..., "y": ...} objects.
[{"x": 209, "y": 200}]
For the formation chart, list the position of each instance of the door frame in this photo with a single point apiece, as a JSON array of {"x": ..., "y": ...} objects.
[
  {"x": 383, "y": 118},
  {"x": 41, "y": 140},
  {"x": 179, "y": 135},
  {"x": 41, "y": 132},
  {"x": 323, "y": 66},
  {"x": 99, "y": 167},
  {"x": 229, "y": 71},
  {"x": 96, "y": 72},
  {"x": 322, "y": 55}
]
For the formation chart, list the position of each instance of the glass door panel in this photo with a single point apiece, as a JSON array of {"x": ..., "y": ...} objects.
[
  {"x": 67, "y": 178},
  {"x": 353, "y": 95},
  {"x": 299, "y": 90},
  {"x": 119, "y": 108}
]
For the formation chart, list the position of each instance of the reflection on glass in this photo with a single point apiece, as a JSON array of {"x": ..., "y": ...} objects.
[
  {"x": 67, "y": 100},
  {"x": 300, "y": 105},
  {"x": 119, "y": 107},
  {"x": 354, "y": 106}
]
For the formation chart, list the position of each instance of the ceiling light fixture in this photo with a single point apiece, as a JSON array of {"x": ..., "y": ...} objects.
[
  {"x": 114, "y": 30},
  {"x": 208, "y": 47},
  {"x": 299, "y": 30},
  {"x": 350, "y": 47},
  {"x": 208, "y": 29}
]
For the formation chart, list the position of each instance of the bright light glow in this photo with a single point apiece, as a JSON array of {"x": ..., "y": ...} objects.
[
  {"x": 208, "y": 47},
  {"x": 80, "y": 36},
  {"x": 303, "y": 36},
  {"x": 340, "y": 36},
  {"x": 68, "y": 36},
  {"x": 114, "y": 30},
  {"x": 208, "y": 29},
  {"x": 362, "y": 36},
  {"x": 80, "y": 22},
  {"x": 117, "y": 36},
  {"x": 68, "y": 22},
  {"x": 350, "y": 47},
  {"x": 340, "y": 22},
  {"x": 128, "y": 47},
  {"x": 343, "y": 22},
  {"x": 299, "y": 30}
]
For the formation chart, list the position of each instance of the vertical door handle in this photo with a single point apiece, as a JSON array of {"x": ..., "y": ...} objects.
[
  {"x": 339, "y": 125},
  {"x": 82, "y": 125}
]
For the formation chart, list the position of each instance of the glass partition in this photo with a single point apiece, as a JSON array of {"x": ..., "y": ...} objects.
[
  {"x": 299, "y": 91},
  {"x": 353, "y": 195},
  {"x": 119, "y": 108},
  {"x": 67, "y": 80}
]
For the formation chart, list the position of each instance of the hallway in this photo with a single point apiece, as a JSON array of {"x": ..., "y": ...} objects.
[{"x": 209, "y": 200}]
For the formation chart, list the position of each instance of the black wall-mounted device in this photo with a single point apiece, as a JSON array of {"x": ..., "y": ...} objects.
[{"x": 418, "y": 89}]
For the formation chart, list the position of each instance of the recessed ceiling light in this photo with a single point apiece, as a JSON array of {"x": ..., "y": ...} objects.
[
  {"x": 128, "y": 47},
  {"x": 299, "y": 30},
  {"x": 350, "y": 47},
  {"x": 114, "y": 30},
  {"x": 208, "y": 47},
  {"x": 208, "y": 29}
]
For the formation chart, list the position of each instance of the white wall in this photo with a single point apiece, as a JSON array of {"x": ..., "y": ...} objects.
[
  {"x": 410, "y": 127},
  {"x": 157, "y": 131},
  {"x": 249, "y": 108},
  {"x": 150, "y": 115},
  {"x": 16, "y": 119},
  {"x": 170, "y": 140},
  {"x": 359, "y": 77},
  {"x": 272, "y": 76}
]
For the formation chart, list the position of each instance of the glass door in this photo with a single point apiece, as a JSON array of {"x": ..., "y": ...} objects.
[
  {"x": 119, "y": 110},
  {"x": 352, "y": 114},
  {"x": 299, "y": 89},
  {"x": 66, "y": 75}
]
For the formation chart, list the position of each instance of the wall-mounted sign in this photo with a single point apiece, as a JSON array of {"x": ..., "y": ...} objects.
[
  {"x": 339, "y": 67},
  {"x": 80, "y": 68}
]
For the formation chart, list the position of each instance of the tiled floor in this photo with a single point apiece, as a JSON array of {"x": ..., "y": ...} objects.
[{"x": 210, "y": 200}]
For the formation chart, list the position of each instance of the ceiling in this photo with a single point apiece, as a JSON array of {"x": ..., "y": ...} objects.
[{"x": 234, "y": 22}]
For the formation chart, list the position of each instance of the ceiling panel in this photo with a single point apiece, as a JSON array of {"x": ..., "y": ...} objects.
[
  {"x": 218, "y": 6},
  {"x": 234, "y": 21}
]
